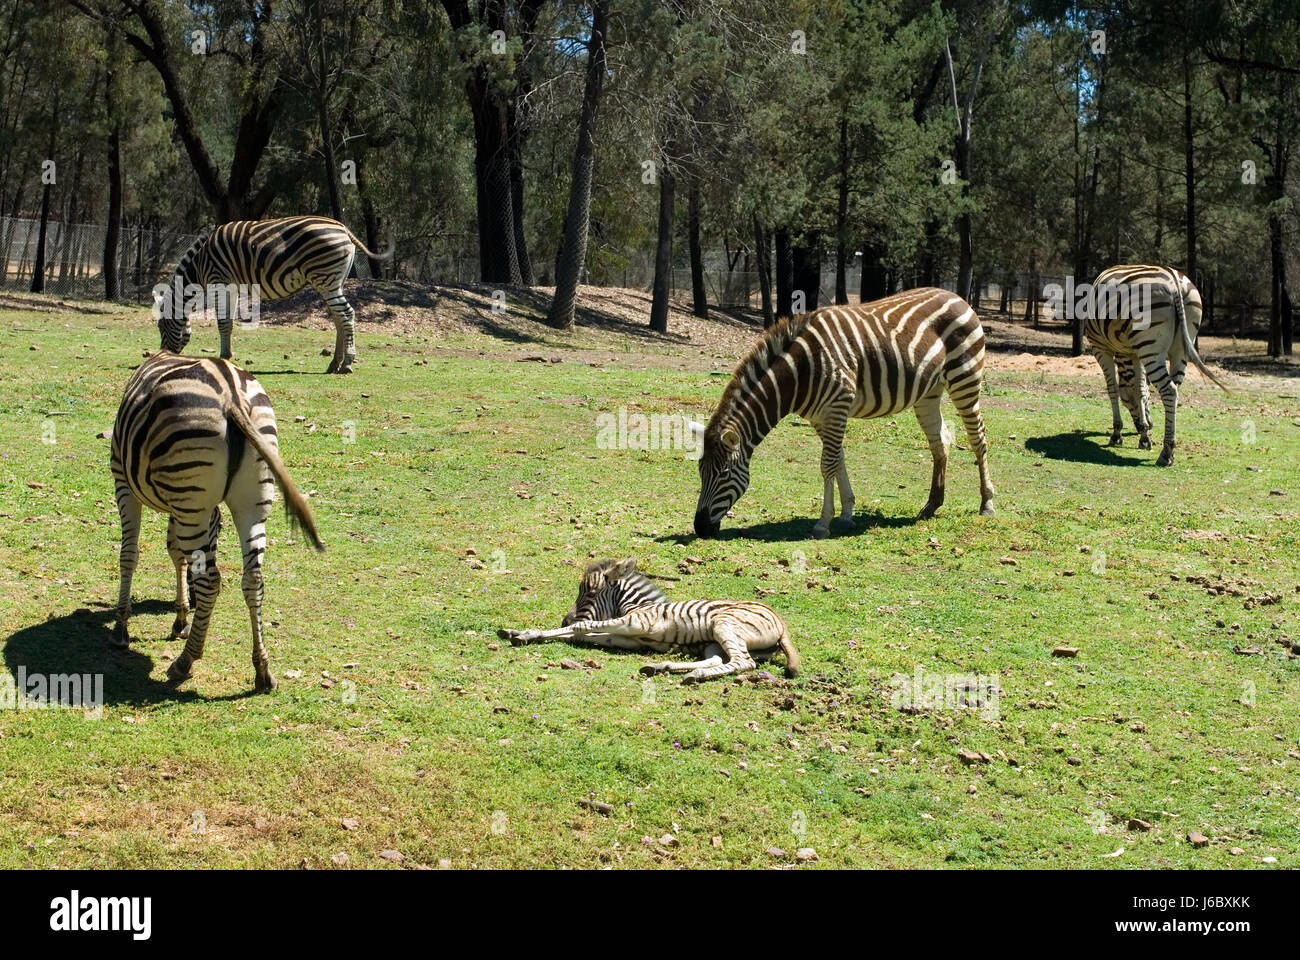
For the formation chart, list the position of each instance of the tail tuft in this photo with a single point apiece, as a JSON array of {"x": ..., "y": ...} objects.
[{"x": 791, "y": 655}]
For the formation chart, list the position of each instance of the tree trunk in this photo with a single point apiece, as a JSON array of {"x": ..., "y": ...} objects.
[
  {"x": 841, "y": 218},
  {"x": 764, "y": 263},
  {"x": 38, "y": 271},
  {"x": 699, "y": 295},
  {"x": 663, "y": 251},
  {"x": 875, "y": 278},
  {"x": 578, "y": 219},
  {"x": 370, "y": 221},
  {"x": 515, "y": 135},
  {"x": 112, "y": 234},
  {"x": 323, "y": 116},
  {"x": 784, "y": 274},
  {"x": 1189, "y": 148},
  {"x": 808, "y": 271}
]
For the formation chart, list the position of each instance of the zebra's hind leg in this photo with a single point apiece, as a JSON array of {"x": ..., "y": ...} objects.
[
  {"x": 965, "y": 395},
  {"x": 180, "y": 627},
  {"x": 1158, "y": 374},
  {"x": 345, "y": 347},
  {"x": 738, "y": 660},
  {"x": 199, "y": 542},
  {"x": 1133, "y": 391},
  {"x": 128, "y": 509},
  {"x": 249, "y": 508},
  {"x": 1109, "y": 370},
  {"x": 831, "y": 428},
  {"x": 936, "y": 433},
  {"x": 711, "y": 657}
]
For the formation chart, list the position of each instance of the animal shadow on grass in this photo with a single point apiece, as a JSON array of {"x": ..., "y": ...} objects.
[
  {"x": 796, "y": 528},
  {"x": 77, "y": 643},
  {"x": 1089, "y": 447}
]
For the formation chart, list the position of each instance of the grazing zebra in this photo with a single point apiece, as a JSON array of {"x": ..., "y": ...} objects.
[
  {"x": 617, "y": 607},
  {"x": 277, "y": 258},
  {"x": 1153, "y": 346},
  {"x": 190, "y": 434},
  {"x": 869, "y": 360}
]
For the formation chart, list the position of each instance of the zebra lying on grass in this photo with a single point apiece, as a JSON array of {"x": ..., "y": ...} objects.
[
  {"x": 190, "y": 434},
  {"x": 618, "y": 607},
  {"x": 1154, "y": 347},
  {"x": 869, "y": 360},
  {"x": 277, "y": 258}
]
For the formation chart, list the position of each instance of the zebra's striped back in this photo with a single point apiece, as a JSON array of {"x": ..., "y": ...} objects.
[
  {"x": 1122, "y": 293},
  {"x": 869, "y": 360},
  {"x": 609, "y": 589}
]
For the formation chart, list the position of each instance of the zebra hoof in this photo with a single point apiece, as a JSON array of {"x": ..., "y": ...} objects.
[
  {"x": 986, "y": 509},
  {"x": 691, "y": 678},
  {"x": 120, "y": 638},
  {"x": 1116, "y": 440},
  {"x": 179, "y": 671},
  {"x": 180, "y": 630},
  {"x": 1144, "y": 443},
  {"x": 821, "y": 531},
  {"x": 265, "y": 684},
  {"x": 928, "y": 510},
  {"x": 1166, "y": 458},
  {"x": 652, "y": 670}
]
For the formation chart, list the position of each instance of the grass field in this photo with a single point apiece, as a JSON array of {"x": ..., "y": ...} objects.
[{"x": 460, "y": 490}]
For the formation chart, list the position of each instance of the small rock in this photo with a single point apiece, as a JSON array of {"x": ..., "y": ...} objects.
[
  {"x": 567, "y": 664},
  {"x": 339, "y": 859},
  {"x": 775, "y": 852},
  {"x": 805, "y": 855},
  {"x": 1136, "y": 824},
  {"x": 1065, "y": 652},
  {"x": 348, "y": 823},
  {"x": 395, "y": 856},
  {"x": 1198, "y": 840}
]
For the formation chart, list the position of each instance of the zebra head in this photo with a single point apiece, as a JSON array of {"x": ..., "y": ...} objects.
[
  {"x": 609, "y": 589},
  {"x": 724, "y": 475},
  {"x": 169, "y": 304}
]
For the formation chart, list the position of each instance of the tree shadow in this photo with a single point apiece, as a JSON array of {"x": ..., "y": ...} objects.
[
  {"x": 77, "y": 643},
  {"x": 1087, "y": 447}
]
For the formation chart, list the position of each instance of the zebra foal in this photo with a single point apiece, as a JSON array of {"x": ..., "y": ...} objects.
[
  {"x": 864, "y": 361},
  {"x": 190, "y": 434},
  {"x": 277, "y": 258},
  {"x": 618, "y": 607},
  {"x": 1152, "y": 344}
]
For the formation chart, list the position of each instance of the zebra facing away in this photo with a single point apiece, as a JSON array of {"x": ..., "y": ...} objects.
[
  {"x": 1154, "y": 347},
  {"x": 614, "y": 610},
  {"x": 278, "y": 258},
  {"x": 191, "y": 433},
  {"x": 864, "y": 361}
]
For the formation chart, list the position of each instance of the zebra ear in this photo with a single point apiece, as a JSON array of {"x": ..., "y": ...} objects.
[
  {"x": 730, "y": 438},
  {"x": 623, "y": 568},
  {"x": 696, "y": 428}
]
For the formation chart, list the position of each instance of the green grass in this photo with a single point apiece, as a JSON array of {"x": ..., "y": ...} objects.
[{"x": 445, "y": 749}]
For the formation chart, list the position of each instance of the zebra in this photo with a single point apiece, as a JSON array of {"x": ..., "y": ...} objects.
[
  {"x": 1155, "y": 347},
  {"x": 191, "y": 433},
  {"x": 609, "y": 589},
  {"x": 276, "y": 258},
  {"x": 617, "y": 607},
  {"x": 869, "y": 360}
]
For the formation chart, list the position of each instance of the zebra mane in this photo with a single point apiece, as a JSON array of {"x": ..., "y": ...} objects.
[{"x": 771, "y": 346}]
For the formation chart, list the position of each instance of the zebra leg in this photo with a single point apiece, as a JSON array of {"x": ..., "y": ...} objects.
[
  {"x": 846, "y": 498},
  {"x": 249, "y": 509},
  {"x": 128, "y": 510},
  {"x": 180, "y": 627},
  {"x": 712, "y": 657},
  {"x": 1158, "y": 374},
  {"x": 738, "y": 658},
  {"x": 966, "y": 398},
  {"x": 930, "y": 417},
  {"x": 606, "y": 633},
  {"x": 345, "y": 348},
  {"x": 200, "y": 544},
  {"x": 831, "y": 428},
  {"x": 1144, "y": 404},
  {"x": 224, "y": 325},
  {"x": 1108, "y": 366}
]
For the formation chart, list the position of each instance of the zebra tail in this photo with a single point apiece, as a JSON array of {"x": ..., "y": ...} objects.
[
  {"x": 1180, "y": 316},
  {"x": 791, "y": 654},
  {"x": 386, "y": 255},
  {"x": 295, "y": 504}
]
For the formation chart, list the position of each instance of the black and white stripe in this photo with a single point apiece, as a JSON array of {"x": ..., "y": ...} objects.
[
  {"x": 869, "y": 360},
  {"x": 1154, "y": 349},
  {"x": 191, "y": 434},
  {"x": 279, "y": 257},
  {"x": 721, "y": 636}
]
